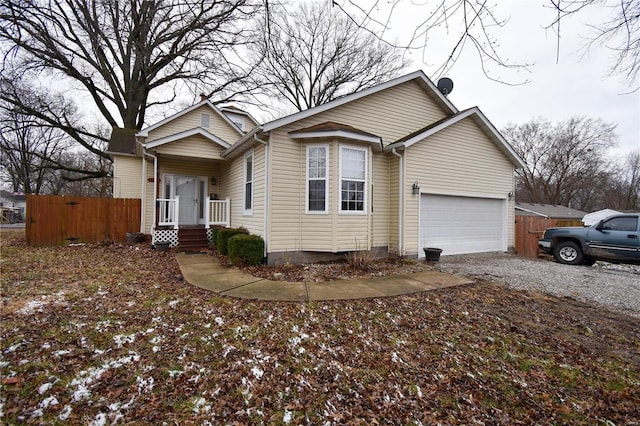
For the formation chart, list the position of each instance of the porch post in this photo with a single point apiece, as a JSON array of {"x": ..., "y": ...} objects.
[
  {"x": 228, "y": 212},
  {"x": 176, "y": 211},
  {"x": 207, "y": 206}
]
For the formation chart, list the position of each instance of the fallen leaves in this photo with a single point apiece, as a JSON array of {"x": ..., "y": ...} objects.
[{"x": 122, "y": 339}]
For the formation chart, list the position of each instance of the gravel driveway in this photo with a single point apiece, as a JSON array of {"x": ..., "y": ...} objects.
[{"x": 615, "y": 286}]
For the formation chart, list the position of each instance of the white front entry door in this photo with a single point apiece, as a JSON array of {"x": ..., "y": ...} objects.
[{"x": 187, "y": 190}]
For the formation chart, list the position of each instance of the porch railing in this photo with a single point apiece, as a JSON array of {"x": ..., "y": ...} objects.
[
  {"x": 168, "y": 209},
  {"x": 218, "y": 212}
]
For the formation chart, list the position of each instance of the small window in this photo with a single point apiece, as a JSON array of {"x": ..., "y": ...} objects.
[
  {"x": 248, "y": 182},
  {"x": 353, "y": 173},
  {"x": 317, "y": 172},
  {"x": 238, "y": 121},
  {"x": 205, "y": 120},
  {"x": 627, "y": 224}
]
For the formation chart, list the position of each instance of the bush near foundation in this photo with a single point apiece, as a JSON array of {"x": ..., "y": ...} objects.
[
  {"x": 222, "y": 238},
  {"x": 214, "y": 234},
  {"x": 246, "y": 249}
]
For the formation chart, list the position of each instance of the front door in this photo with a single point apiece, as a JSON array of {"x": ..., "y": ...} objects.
[
  {"x": 187, "y": 190},
  {"x": 191, "y": 193}
]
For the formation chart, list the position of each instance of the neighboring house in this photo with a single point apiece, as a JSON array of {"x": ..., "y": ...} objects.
[
  {"x": 597, "y": 216},
  {"x": 549, "y": 211},
  {"x": 13, "y": 206},
  {"x": 393, "y": 168}
]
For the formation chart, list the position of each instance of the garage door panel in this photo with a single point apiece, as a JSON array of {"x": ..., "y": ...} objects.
[{"x": 461, "y": 225}]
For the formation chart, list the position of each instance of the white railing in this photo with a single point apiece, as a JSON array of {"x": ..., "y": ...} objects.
[
  {"x": 168, "y": 211},
  {"x": 218, "y": 212}
]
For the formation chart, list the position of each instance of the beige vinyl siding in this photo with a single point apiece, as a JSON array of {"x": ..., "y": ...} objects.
[
  {"x": 148, "y": 220},
  {"x": 232, "y": 185},
  {"x": 195, "y": 146},
  {"x": 127, "y": 177},
  {"x": 380, "y": 216},
  {"x": 390, "y": 114},
  {"x": 191, "y": 120},
  {"x": 460, "y": 160}
]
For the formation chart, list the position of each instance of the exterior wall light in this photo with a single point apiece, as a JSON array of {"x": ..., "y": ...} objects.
[
  {"x": 510, "y": 195},
  {"x": 214, "y": 182},
  {"x": 415, "y": 189}
]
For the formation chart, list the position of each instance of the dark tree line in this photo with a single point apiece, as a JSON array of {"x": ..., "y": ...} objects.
[{"x": 567, "y": 164}]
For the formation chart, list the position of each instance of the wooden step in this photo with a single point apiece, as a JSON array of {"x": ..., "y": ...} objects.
[{"x": 192, "y": 239}]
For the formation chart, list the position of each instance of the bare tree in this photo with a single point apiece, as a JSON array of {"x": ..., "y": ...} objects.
[
  {"x": 624, "y": 191},
  {"x": 314, "y": 54},
  {"x": 457, "y": 23},
  {"x": 563, "y": 160},
  {"x": 28, "y": 150},
  {"x": 619, "y": 32},
  {"x": 128, "y": 56}
]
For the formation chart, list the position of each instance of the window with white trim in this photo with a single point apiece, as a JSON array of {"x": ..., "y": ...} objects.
[
  {"x": 317, "y": 173},
  {"x": 248, "y": 182},
  {"x": 353, "y": 179}
]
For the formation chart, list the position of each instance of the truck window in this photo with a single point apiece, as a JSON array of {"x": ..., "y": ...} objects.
[{"x": 621, "y": 224}]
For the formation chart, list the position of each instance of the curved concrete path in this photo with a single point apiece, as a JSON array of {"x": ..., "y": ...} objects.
[{"x": 203, "y": 271}]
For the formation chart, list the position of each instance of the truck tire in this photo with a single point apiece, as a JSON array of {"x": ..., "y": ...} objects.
[{"x": 568, "y": 253}]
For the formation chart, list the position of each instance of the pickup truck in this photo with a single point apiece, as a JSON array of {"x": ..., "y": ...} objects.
[{"x": 615, "y": 239}]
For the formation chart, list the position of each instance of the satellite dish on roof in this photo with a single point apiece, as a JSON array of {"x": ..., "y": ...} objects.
[{"x": 445, "y": 85}]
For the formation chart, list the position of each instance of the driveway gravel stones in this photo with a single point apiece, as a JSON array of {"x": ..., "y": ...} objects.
[{"x": 616, "y": 287}]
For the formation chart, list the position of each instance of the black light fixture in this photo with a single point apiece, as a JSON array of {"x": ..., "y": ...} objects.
[
  {"x": 415, "y": 189},
  {"x": 510, "y": 195},
  {"x": 214, "y": 182}
]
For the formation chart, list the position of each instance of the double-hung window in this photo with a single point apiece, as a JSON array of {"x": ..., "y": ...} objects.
[
  {"x": 317, "y": 172},
  {"x": 248, "y": 182},
  {"x": 353, "y": 179}
]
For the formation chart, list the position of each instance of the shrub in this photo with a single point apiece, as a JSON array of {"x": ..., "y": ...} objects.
[
  {"x": 223, "y": 236},
  {"x": 214, "y": 234},
  {"x": 246, "y": 249}
]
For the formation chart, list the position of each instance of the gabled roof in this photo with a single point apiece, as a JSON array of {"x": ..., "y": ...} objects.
[
  {"x": 12, "y": 196},
  {"x": 122, "y": 141},
  {"x": 548, "y": 210},
  {"x": 418, "y": 76},
  {"x": 185, "y": 134},
  {"x": 330, "y": 129},
  {"x": 145, "y": 132},
  {"x": 444, "y": 123}
]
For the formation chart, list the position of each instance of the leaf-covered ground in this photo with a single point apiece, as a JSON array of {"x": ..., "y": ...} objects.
[{"x": 102, "y": 335}]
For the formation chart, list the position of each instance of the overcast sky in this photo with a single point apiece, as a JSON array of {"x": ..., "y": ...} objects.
[{"x": 578, "y": 85}]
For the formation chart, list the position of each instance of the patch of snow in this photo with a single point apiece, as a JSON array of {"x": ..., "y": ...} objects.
[
  {"x": 200, "y": 406},
  {"x": 12, "y": 348},
  {"x": 121, "y": 339},
  {"x": 144, "y": 385},
  {"x": 66, "y": 412},
  {"x": 287, "y": 417},
  {"x": 218, "y": 320},
  {"x": 4, "y": 364},
  {"x": 45, "y": 387},
  {"x": 46, "y": 346},
  {"x": 155, "y": 349},
  {"x": 48, "y": 402},
  {"x": 173, "y": 303},
  {"x": 60, "y": 353},
  {"x": 396, "y": 358},
  {"x": 257, "y": 372},
  {"x": 175, "y": 373},
  {"x": 37, "y": 413},
  {"x": 100, "y": 420},
  {"x": 88, "y": 377}
]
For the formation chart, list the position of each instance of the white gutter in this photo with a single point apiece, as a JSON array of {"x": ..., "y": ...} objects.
[
  {"x": 266, "y": 191},
  {"x": 400, "y": 200},
  {"x": 143, "y": 192}
]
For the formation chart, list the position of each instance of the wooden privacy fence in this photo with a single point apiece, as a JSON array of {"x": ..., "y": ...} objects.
[
  {"x": 57, "y": 220},
  {"x": 529, "y": 229}
]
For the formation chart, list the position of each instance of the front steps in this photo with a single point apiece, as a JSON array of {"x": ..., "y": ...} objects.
[{"x": 192, "y": 239}]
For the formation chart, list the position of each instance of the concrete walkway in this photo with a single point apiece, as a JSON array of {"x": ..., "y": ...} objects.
[{"x": 203, "y": 271}]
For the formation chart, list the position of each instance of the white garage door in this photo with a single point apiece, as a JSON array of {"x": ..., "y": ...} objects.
[{"x": 461, "y": 225}]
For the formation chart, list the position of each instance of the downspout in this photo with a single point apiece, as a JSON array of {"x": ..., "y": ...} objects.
[
  {"x": 266, "y": 191},
  {"x": 143, "y": 192},
  {"x": 400, "y": 200},
  {"x": 155, "y": 187}
]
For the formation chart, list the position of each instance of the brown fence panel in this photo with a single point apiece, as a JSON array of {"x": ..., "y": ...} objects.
[
  {"x": 529, "y": 229},
  {"x": 57, "y": 220}
]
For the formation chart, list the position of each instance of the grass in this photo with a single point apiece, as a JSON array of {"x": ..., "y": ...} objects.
[{"x": 117, "y": 334}]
